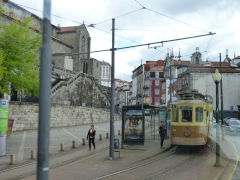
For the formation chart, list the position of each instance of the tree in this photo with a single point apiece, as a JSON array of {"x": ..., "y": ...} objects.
[{"x": 19, "y": 51}]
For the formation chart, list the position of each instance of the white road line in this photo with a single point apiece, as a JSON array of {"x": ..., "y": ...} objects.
[
  {"x": 20, "y": 152},
  {"x": 66, "y": 131}
]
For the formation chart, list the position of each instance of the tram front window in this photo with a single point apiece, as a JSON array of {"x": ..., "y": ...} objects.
[
  {"x": 199, "y": 114},
  {"x": 186, "y": 114}
]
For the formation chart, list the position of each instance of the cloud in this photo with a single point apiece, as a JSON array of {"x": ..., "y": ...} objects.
[{"x": 144, "y": 26}]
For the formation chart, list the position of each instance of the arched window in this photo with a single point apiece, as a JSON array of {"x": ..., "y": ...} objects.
[
  {"x": 85, "y": 67},
  {"x": 197, "y": 60},
  {"x": 83, "y": 42}
]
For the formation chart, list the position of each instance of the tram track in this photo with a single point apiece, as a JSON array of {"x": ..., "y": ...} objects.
[
  {"x": 52, "y": 166},
  {"x": 163, "y": 157}
]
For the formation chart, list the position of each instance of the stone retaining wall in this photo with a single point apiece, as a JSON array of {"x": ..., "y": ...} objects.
[{"x": 25, "y": 115}]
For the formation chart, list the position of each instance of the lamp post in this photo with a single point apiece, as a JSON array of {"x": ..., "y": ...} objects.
[{"x": 217, "y": 78}]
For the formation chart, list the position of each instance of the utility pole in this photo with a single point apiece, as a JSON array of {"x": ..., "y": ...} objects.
[
  {"x": 111, "y": 153},
  {"x": 45, "y": 95},
  {"x": 142, "y": 85},
  {"x": 220, "y": 58},
  {"x": 170, "y": 83}
]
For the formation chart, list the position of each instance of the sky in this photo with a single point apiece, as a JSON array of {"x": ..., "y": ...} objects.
[{"x": 146, "y": 21}]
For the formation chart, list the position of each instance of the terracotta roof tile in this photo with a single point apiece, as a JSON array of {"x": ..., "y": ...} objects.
[
  {"x": 224, "y": 64},
  {"x": 157, "y": 68}
]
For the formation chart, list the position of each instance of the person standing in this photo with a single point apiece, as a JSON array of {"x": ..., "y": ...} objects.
[
  {"x": 162, "y": 132},
  {"x": 91, "y": 136}
]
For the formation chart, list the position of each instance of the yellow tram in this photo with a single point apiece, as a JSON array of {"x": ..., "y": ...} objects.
[{"x": 191, "y": 118}]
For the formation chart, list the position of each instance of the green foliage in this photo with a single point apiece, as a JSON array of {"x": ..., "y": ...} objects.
[{"x": 19, "y": 64}]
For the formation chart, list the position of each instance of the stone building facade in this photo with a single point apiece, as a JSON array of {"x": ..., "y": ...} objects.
[{"x": 71, "y": 48}]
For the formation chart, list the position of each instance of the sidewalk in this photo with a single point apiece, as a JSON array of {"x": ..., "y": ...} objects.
[
  {"x": 67, "y": 163},
  {"x": 80, "y": 163}
]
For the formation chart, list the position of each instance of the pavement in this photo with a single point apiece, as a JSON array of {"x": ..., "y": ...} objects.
[{"x": 80, "y": 163}]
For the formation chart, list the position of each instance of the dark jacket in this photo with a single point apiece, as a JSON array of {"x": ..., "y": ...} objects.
[
  {"x": 162, "y": 130},
  {"x": 91, "y": 134}
]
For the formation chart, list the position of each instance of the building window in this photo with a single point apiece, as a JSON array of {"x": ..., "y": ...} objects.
[
  {"x": 157, "y": 91},
  {"x": 156, "y": 100},
  {"x": 163, "y": 99},
  {"x": 161, "y": 75},
  {"x": 83, "y": 44},
  {"x": 85, "y": 67},
  {"x": 163, "y": 85},
  {"x": 157, "y": 82},
  {"x": 197, "y": 60},
  {"x": 152, "y": 74}
]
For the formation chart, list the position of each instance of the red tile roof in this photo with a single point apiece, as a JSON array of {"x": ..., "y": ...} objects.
[{"x": 157, "y": 68}]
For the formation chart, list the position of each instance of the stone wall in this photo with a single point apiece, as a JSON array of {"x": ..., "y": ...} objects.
[{"x": 25, "y": 115}]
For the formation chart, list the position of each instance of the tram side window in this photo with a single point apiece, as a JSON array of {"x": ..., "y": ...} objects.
[
  {"x": 199, "y": 114},
  {"x": 186, "y": 114},
  {"x": 175, "y": 114}
]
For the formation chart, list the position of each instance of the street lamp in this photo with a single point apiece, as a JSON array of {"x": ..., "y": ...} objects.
[{"x": 217, "y": 78}]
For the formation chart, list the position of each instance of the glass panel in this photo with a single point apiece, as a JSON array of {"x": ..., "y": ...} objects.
[
  {"x": 186, "y": 114},
  {"x": 199, "y": 114},
  {"x": 175, "y": 114}
]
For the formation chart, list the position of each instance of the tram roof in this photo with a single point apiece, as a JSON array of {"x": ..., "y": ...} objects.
[{"x": 192, "y": 101}]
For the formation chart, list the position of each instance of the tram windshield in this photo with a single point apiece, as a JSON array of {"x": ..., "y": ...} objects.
[
  {"x": 186, "y": 113},
  {"x": 199, "y": 114}
]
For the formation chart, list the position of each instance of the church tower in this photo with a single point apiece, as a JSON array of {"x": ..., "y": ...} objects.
[{"x": 196, "y": 57}]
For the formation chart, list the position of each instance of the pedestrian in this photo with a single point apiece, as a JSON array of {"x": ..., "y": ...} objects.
[
  {"x": 91, "y": 136},
  {"x": 162, "y": 132}
]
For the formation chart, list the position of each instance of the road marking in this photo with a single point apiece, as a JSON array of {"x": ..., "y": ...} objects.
[
  {"x": 66, "y": 131},
  {"x": 20, "y": 153},
  {"x": 236, "y": 162}
]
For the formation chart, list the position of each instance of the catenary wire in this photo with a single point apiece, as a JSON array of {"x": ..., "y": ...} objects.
[
  {"x": 169, "y": 17},
  {"x": 146, "y": 44},
  {"x": 130, "y": 12},
  {"x": 91, "y": 25}
]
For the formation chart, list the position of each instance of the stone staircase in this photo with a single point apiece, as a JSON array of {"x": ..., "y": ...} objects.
[{"x": 78, "y": 88}]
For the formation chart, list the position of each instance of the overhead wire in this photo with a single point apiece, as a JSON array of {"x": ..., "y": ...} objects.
[
  {"x": 169, "y": 17},
  {"x": 77, "y": 22},
  {"x": 91, "y": 25},
  {"x": 125, "y": 14},
  {"x": 139, "y": 4},
  {"x": 119, "y": 29},
  {"x": 146, "y": 44}
]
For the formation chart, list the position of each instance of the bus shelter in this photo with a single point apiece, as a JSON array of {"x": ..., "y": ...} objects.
[
  {"x": 159, "y": 114},
  {"x": 133, "y": 123}
]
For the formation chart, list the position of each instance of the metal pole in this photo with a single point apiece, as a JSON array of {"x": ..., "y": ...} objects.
[
  {"x": 170, "y": 83},
  {"x": 220, "y": 57},
  {"x": 217, "y": 129},
  {"x": 111, "y": 153},
  {"x": 142, "y": 86},
  {"x": 154, "y": 123},
  {"x": 45, "y": 95}
]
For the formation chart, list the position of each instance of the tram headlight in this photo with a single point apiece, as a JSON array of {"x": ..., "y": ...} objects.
[{"x": 187, "y": 133}]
